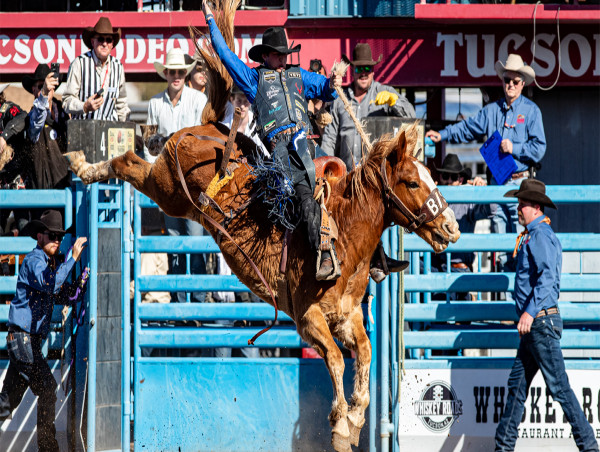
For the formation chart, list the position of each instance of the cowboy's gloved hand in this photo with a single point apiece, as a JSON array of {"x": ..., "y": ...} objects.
[{"x": 385, "y": 97}]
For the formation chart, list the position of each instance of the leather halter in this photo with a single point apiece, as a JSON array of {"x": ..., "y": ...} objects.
[{"x": 433, "y": 206}]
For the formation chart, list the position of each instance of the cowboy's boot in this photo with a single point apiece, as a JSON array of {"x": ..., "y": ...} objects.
[
  {"x": 326, "y": 267},
  {"x": 379, "y": 270}
]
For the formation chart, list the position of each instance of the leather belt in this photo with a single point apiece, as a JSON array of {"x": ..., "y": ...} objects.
[
  {"x": 281, "y": 134},
  {"x": 460, "y": 265},
  {"x": 549, "y": 311},
  {"x": 520, "y": 175}
]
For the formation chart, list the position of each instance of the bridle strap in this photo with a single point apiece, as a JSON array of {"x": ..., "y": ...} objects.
[
  {"x": 433, "y": 206},
  {"x": 222, "y": 230}
]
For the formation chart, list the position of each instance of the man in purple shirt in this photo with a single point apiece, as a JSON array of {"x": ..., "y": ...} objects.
[{"x": 41, "y": 284}]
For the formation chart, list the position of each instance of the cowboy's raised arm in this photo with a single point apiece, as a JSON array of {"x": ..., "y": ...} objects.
[{"x": 244, "y": 77}]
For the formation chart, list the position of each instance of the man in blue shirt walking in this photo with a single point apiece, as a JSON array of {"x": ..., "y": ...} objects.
[
  {"x": 519, "y": 122},
  {"x": 41, "y": 284},
  {"x": 537, "y": 288}
]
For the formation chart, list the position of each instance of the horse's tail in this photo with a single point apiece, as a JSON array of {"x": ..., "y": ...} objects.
[{"x": 218, "y": 79}]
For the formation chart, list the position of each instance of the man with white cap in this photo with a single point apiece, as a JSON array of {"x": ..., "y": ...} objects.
[
  {"x": 519, "y": 122},
  {"x": 175, "y": 108},
  {"x": 178, "y": 106}
]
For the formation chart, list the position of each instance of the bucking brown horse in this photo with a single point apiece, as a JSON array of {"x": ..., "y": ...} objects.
[{"x": 390, "y": 187}]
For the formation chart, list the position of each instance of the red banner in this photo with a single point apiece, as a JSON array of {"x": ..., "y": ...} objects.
[{"x": 417, "y": 56}]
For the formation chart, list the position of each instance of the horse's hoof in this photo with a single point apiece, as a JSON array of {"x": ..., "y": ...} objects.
[
  {"x": 340, "y": 443},
  {"x": 354, "y": 433}
]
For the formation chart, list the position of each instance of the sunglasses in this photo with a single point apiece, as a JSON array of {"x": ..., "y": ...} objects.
[
  {"x": 104, "y": 39},
  {"x": 452, "y": 177},
  {"x": 54, "y": 236},
  {"x": 181, "y": 72},
  {"x": 515, "y": 81},
  {"x": 363, "y": 69}
]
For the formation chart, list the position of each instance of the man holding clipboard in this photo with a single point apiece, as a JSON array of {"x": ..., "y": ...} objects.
[{"x": 515, "y": 126}]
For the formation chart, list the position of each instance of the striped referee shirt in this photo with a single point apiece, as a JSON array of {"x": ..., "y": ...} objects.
[{"x": 86, "y": 76}]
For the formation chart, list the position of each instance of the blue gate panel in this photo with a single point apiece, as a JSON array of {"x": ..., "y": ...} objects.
[{"x": 241, "y": 405}]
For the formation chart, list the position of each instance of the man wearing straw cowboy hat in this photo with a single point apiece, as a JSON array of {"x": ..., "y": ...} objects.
[
  {"x": 175, "y": 108},
  {"x": 41, "y": 284},
  {"x": 536, "y": 292},
  {"x": 367, "y": 98},
  {"x": 519, "y": 122},
  {"x": 96, "y": 81},
  {"x": 279, "y": 94}
]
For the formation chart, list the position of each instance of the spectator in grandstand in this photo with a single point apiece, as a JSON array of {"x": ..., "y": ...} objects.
[
  {"x": 46, "y": 133},
  {"x": 197, "y": 78},
  {"x": 247, "y": 126},
  {"x": 96, "y": 81},
  {"x": 12, "y": 138},
  {"x": 173, "y": 109},
  {"x": 538, "y": 254},
  {"x": 519, "y": 122},
  {"x": 453, "y": 173},
  {"x": 41, "y": 283},
  {"x": 367, "y": 98}
]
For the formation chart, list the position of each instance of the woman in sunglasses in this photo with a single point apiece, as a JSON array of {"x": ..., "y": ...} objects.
[
  {"x": 41, "y": 284},
  {"x": 519, "y": 122},
  {"x": 96, "y": 83}
]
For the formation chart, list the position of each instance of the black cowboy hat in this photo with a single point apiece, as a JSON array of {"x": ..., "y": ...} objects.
[
  {"x": 362, "y": 56},
  {"x": 452, "y": 165},
  {"x": 51, "y": 220},
  {"x": 532, "y": 190},
  {"x": 41, "y": 72},
  {"x": 102, "y": 27},
  {"x": 273, "y": 40}
]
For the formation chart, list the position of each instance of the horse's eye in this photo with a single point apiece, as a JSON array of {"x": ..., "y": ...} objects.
[{"x": 413, "y": 185}]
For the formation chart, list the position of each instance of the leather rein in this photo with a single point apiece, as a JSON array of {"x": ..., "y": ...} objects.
[
  {"x": 218, "y": 226},
  {"x": 433, "y": 206}
]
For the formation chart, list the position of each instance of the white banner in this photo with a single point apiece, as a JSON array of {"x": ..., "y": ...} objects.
[{"x": 445, "y": 409}]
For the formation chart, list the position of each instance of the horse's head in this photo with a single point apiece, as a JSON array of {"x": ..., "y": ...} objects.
[{"x": 411, "y": 197}]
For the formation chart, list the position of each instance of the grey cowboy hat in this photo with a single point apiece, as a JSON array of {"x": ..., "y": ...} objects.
[
  {"x": 532, "y": 190},
  {"x": 273, "y": 40},
  {"x": 51, "y": 220}
]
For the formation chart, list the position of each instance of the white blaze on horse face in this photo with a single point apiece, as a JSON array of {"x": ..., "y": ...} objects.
[{"x": 426, "y": 177}]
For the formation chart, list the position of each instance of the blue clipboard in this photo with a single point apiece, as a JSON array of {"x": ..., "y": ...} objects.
[{"x": 501, "y": 165}]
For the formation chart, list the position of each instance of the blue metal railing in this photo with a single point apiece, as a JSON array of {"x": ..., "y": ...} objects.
[
  {"x": 453, "y": 337},
  {"x": 207, "y": 337}
]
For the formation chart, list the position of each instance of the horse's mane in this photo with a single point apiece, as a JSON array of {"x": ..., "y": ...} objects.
[
  {"x": 218, "y": 80},
  {"x": 369, "y": 173}
]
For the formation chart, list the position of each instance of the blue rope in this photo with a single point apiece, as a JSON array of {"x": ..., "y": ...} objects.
[{"x": 277, "y": 187}]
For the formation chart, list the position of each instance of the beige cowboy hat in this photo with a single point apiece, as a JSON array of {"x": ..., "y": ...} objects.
[
  {"x": 176, "y": 59},
  {"x": 515, "y": 63},
  {"x": 102, "y": 27}
]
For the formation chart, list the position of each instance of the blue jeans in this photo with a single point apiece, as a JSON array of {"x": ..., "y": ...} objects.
[
  {"x": 540, "y": 349},
  {"x": 28, "y": 368},
  {"x": 177, "y": 227}
]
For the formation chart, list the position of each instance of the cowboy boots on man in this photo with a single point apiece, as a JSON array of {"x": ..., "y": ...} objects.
[{"x": 380, "y": 268}]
